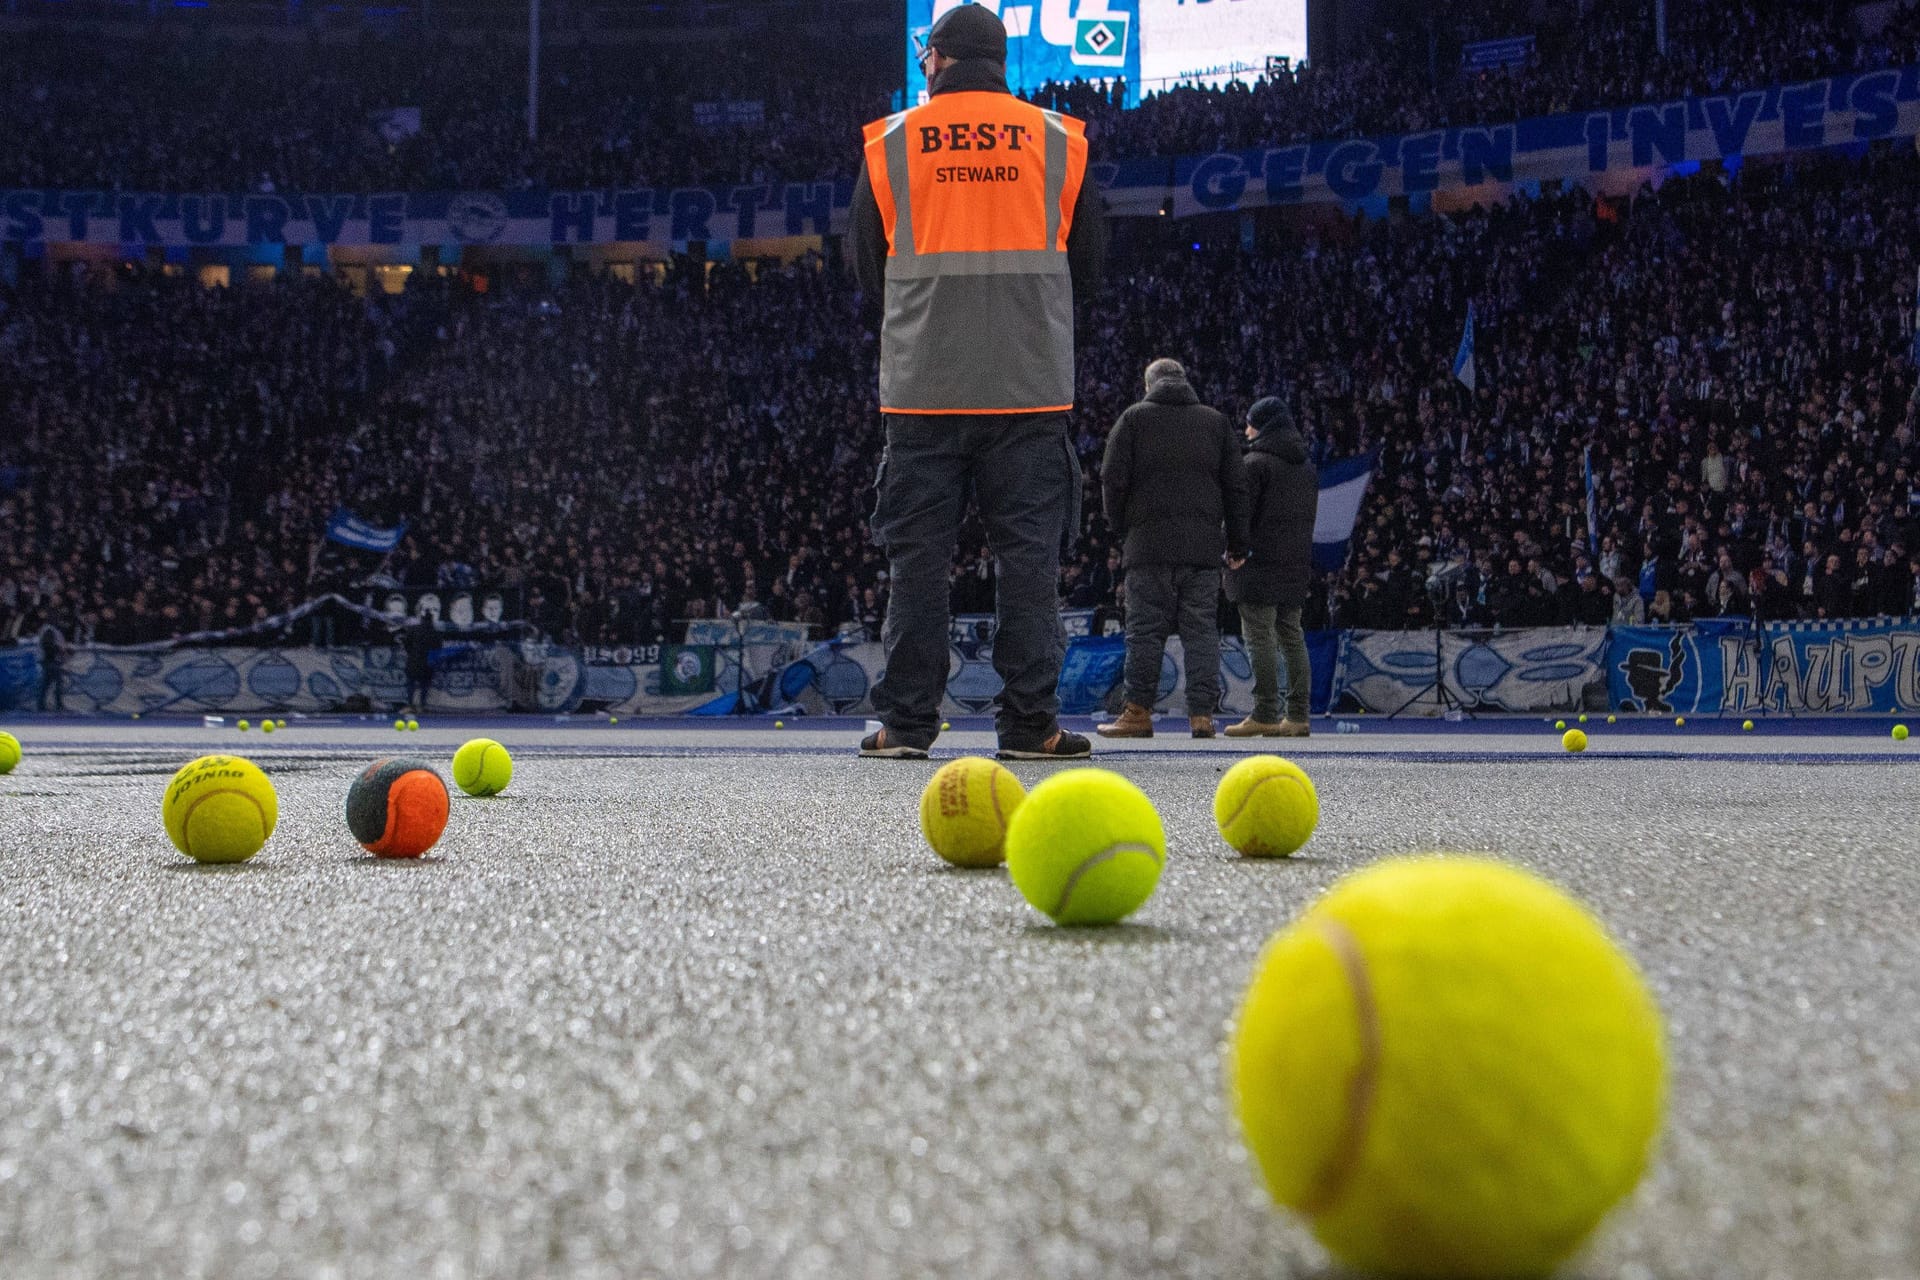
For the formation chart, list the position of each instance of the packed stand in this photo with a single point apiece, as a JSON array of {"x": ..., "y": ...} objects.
[
  {"x": 170, "y": 448},
  {"x": 1414, "y": 78},
  {"x": 1738, "y": 361},
  {"x": 171, "y": 113},
  {"x": 175, "y": 114}
]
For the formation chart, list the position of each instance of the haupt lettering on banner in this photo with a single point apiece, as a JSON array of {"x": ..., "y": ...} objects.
[{"x": 1735, "y": 667}]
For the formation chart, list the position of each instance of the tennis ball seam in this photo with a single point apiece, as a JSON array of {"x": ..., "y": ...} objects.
[
  {"x": 479, "y": 774},
  {"x": 1097, "y": 859},
  {"x": 186, "y": 818},
  {"x": 993, "y": 790},
  {"x": 1362, "y": 1086},
  {"x": 1246, "y": 797}
]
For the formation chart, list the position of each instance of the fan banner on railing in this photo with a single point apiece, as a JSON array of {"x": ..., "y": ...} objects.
[
  {"x": 1625, "y": 142},
  {"x": 1720, "y": 667},
  {"x": 1733, "y": 667},
  {"x": 1537, "y": 669}
]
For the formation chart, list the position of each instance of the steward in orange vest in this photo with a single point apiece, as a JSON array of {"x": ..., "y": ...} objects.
[{"x": 975, "y": 225}]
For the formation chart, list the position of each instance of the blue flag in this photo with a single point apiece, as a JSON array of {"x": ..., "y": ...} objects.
[
  {"x": 1916, "y": 318},
  {"x": 1463, "y": 359},
  {"x": 1343, "y": 486},
  {"x": 349, "y": 530},
  {"x": 1593, "y": 507}
]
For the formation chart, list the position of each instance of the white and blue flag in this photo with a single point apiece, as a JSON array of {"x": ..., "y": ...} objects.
[
  {"x": 1593, "y": 505},
  {"x": 395, "y": 124},
  {"x": 1916, "y": 318},
  {"x": 349, "y": 530},
  {"x": 1343, "y": 487},
  {"x": 1463, "y": 359}
]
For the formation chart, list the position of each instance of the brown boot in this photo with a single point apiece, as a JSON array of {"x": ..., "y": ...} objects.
[
  {"x": 1202, "y": 726},
  {"x": 1135, "y": 722},
  {"x": 1251, "y": 728},
  {"x": 1293, "y": 729}
]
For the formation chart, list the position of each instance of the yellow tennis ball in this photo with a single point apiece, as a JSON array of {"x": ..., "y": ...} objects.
[
  {"x": 1086, "y": 847},
  {"x": 243, "y": 726},
  {"x": 1583, "y": 717},
  {"x": 482, "y": 767},
  {"x": 1448, "y": 1068},
  {"x": 945, "y": 725},
  {"x": 1679, "y": 722},
  {"x": 1899, "y": 735},
  {"x": 1559, "y": 724},
  {"x": 1266, "y": 807},
  {"x": 965, "y": 808},
  {"x": 1574, "y": 740},
  {"x": 400, "y": 725},
  {"x": 219, "y": 809},
  {"x": 9, "y": 752},
  {"x": 266, "y": 726},
  {"x": 1746, "y": 726},
  {"x": 1611, "y": 719},
  {"x": 413, "y": 724}
]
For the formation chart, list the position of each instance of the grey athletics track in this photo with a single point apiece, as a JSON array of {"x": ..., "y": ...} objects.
[{"x": 700, "y": 1003}]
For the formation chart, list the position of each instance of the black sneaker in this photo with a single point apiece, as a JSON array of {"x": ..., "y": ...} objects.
[
  {"x": 1060, "y": 746},
  {"x": 884, "y": 745}
]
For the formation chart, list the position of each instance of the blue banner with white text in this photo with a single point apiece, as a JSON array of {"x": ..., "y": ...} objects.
[
  {"x": 1496, "y": 55},
  {"x": 1726, "y": 667},
  {"x": 1624, "y": 141},
  {"x": 1619, "y": 143},
  {"x": 237, "y": 219},
  {"x": 1731, "y": 666}
]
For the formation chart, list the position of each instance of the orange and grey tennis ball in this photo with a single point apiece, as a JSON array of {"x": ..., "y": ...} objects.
[{"x": 397, "y": 807}]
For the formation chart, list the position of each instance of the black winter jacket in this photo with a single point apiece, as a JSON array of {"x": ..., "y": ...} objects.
[
  {"x": 1174, "y": 482},
  {"x": 1283, "y": 491}
]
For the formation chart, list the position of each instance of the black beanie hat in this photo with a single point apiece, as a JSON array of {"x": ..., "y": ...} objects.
[
  {"x": 1269, "y": 413},
  {"x": 970, "y": 31}
]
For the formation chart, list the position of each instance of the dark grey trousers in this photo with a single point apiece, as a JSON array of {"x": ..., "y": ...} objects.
[
  {"x": 1273, "y": 633},
  {"x": 1174, "y": 599},
  {"x": 1025, "y": 482}
]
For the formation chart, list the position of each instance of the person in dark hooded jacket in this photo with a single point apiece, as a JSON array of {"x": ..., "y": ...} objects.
[
  {"x": 1176, "y": 497},
  {"x": 1283, "y": 492}
]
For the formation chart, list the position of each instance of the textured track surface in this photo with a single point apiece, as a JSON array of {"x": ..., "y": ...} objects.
[{"x": 692, "y": 1015}]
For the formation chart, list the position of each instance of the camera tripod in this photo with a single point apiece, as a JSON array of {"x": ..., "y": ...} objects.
[{"x": 1448, "y": 700}]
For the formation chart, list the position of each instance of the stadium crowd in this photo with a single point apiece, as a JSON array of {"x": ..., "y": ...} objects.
[
  {"x": 1734, "y": 356},
  {"x": 177, "y": 112},
  {"x": 1416, "y": 80},
  {"x": 168, "y": 113}
]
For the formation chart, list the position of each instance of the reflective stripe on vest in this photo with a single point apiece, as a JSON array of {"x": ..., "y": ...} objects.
[{"x": 976, "y": 194}]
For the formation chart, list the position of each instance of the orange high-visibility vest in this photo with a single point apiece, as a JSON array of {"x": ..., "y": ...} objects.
[{"x": 976, "y": 194}]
